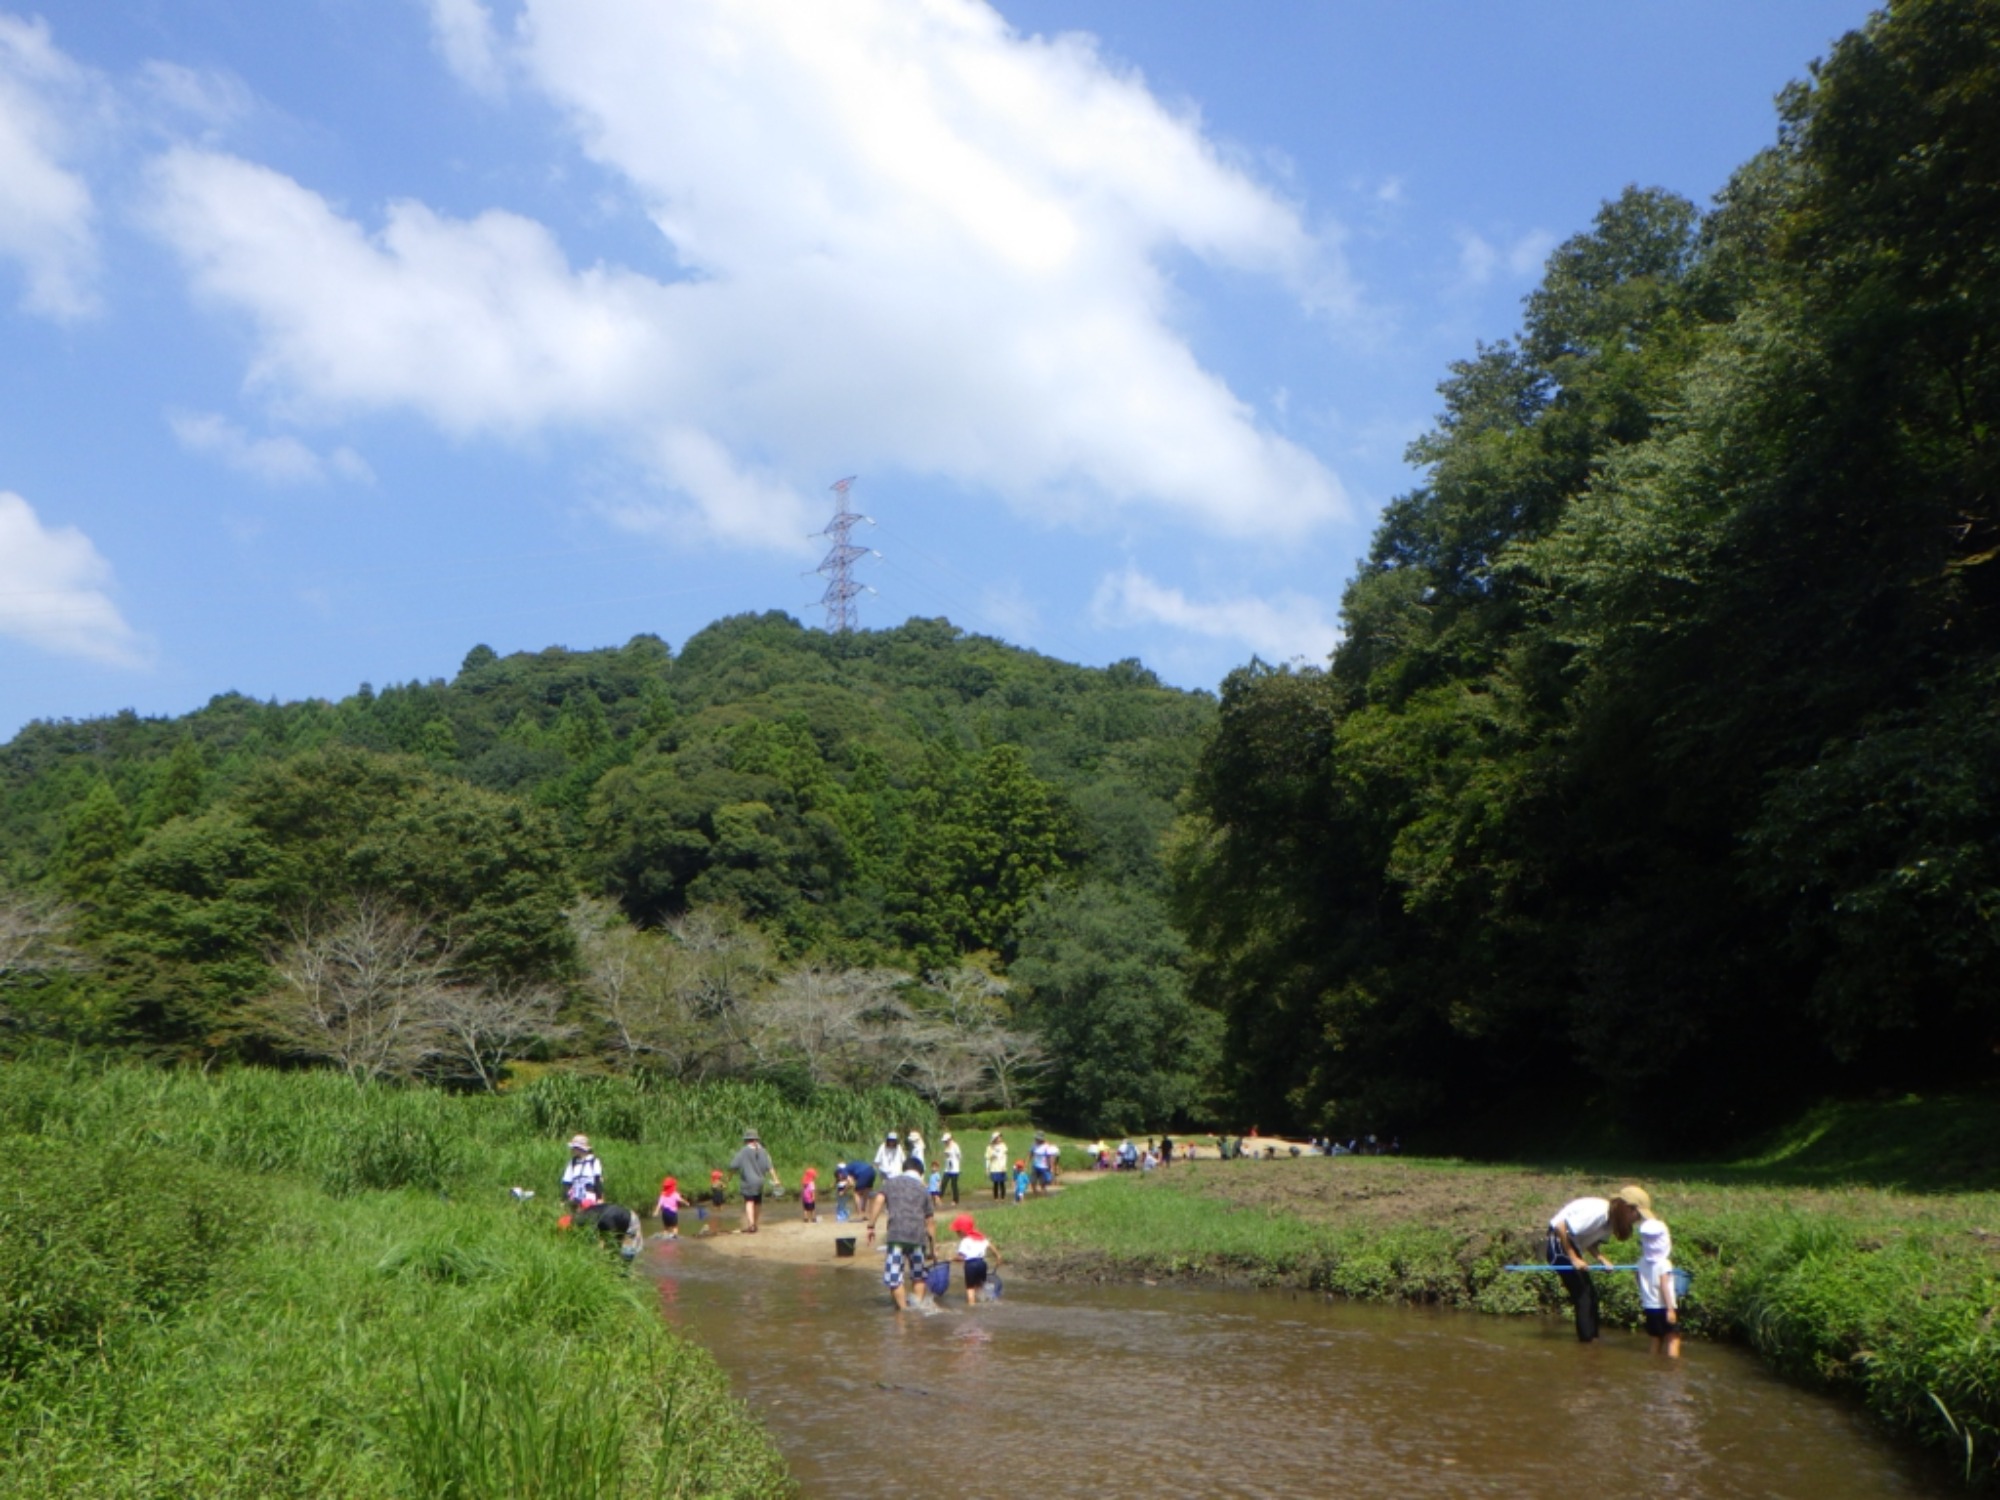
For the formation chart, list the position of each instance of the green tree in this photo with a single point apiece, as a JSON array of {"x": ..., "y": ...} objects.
[
  {"x": 1101, "y": 974},
  {"x": 96, "y": 834},
  {"x": 180, "y": 785}
]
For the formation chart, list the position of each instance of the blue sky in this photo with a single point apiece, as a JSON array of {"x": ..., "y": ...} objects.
[{"x": 338, "y": 336}]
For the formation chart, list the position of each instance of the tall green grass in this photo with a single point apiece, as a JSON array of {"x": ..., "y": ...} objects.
[{"x": 280, "y": 1285}]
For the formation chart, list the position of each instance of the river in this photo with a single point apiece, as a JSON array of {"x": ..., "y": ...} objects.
[{"x": 1112, "y": 1391}]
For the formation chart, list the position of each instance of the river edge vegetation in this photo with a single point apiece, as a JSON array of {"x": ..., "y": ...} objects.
[
  {"x": 290, "y": 1285},
  {"x": 1857, "y": 1252}
]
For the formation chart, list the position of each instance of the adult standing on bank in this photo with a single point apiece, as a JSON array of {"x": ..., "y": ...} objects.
[
  {"x": 1580, "y": 1230},
  {"x": 888, "y": 1158},
  {"x": 911, "y": 1229},
  {"x": 1043, "y": 1160},
  {"x": 584, "y": 1176},
  {"x": 754, "y": 1172},
  {"x": 996, "y": 1166},
  {"x": 954, "y": 1163}
]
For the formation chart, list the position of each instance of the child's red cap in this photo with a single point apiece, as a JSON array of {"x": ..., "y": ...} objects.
[
  {"x": 667, "y": 1184},
  {"x": 963, "y": 1225},
  {"x": 716, "y": 1175},
  {"x": 812, "y": 1173},
  {"x": 1020, "y": 1166}
]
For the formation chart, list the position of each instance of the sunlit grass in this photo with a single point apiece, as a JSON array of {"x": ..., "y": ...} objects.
[{"x": 280, "y": 1285}]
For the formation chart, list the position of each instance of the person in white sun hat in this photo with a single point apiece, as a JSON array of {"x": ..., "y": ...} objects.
[{"x": 584, "y": 1176}]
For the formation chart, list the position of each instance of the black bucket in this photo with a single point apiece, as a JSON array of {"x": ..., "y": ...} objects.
[{"x": 844, "y": 1247}]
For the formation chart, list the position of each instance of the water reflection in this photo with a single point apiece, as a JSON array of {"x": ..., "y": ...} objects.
[{"x": 1117, "y": 1391}]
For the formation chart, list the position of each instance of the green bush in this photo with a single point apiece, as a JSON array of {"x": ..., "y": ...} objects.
[{"x": 93, "y": 1243}]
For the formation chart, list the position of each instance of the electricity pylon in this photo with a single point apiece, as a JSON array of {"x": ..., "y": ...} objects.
[{"x": 838, "y": 564}]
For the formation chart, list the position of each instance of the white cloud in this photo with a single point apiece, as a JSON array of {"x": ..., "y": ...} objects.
[
  {"x": 463, "y": 32},
  {"x": 53, "y": 586},
  {"x": 212, "y": 101},
  {"x": 1480, "y": 259},
  {"x": 282, "y": 460},
  {"x": 914, "y": 241},
  {"x": 46, "y": 211},
  {"x": 1278, "y": 629}
]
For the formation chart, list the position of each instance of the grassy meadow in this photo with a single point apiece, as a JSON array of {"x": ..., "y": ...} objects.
[
  {"x": 1858, "y": 1252},
  {"x": 272, "y": 1285}
]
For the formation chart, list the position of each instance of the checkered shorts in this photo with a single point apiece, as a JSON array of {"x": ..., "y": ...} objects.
[{"x": 899, "y": 1261}]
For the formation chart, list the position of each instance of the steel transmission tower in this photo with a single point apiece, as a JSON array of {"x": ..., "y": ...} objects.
[{"x": 838, "y": 564}]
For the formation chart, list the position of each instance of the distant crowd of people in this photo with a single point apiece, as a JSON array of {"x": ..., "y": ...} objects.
[{"x": 900, "y": 1191}]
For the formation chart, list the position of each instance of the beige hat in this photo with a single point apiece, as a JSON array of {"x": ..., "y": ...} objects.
[
  {"x": 579, "y": 1143},
  {"x": 1634, "y": 1196}
]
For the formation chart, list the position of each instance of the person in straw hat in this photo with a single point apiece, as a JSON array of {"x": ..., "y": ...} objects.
[
  {"x": 1580, "y": 1230},
  {"x": 584, "y": 1176}
]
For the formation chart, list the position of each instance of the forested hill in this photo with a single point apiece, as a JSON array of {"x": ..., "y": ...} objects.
[
  {"x": 891, "y": 797},
  {"x": 1659, "y": 768}
]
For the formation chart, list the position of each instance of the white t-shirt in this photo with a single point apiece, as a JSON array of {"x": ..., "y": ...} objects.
[
  {"x": 889, "y": 1161},
  {"x": 953, "y": 1159},
  {"x": 996, "y": 1156},
  {"x": 1588, "y": 1221},
  {"x": 914, "y": 1144},
  {"x": 974, "y": 1247},
  {"x": 1045, "y": 1154},
  {"x": 1656, "y": 1261}
]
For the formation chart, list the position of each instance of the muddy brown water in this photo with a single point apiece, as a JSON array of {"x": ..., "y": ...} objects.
[{"x": 1112, "y": 1391}]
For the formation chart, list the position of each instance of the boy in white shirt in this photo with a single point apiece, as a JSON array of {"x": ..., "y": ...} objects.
[{"x": 1657, "y": 1292}]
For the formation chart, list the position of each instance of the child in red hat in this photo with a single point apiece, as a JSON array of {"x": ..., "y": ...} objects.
[
  {"x": 809, "y": 1196},
  {"x": 670, "y": 1208},
  {"x": 978, "y": 1254},
  {"x": 718, "y": 1195}
]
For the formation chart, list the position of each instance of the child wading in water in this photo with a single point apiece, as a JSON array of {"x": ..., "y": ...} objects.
[
  {"x": 1020, "y": 1181},
  {"x": 718, "y": 1196},
  {"x": 977, "y": 1252},
  {"x": 670, "y": 1209},
  {"x": 1658, "y": 1296},
  {"x": 809, "y": 1196}
]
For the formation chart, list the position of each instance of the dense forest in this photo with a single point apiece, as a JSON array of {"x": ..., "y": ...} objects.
[
  {"x": 1658, "y": 769},
  {"x": 1656, "y": 777},
  {"x": 779, "y": 853}
]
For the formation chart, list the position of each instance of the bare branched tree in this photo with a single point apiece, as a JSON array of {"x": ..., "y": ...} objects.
[
  {"x": 844, "y": 1026},
  {"x": 359, "y": 986},
  {"x": 970, "y": 1008},
  {"x": 675, "y": 1000},
  {"x": 474, "y": 1030},
  {"x": 34, "y": 935}
]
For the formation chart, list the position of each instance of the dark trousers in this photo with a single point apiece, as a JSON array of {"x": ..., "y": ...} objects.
[
  {"x": 951, "y": 1185},
  {"x": 1582, "y": 1289}
]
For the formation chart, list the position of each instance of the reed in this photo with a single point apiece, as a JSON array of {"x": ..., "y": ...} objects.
[{"x": 281, "y": 1285}]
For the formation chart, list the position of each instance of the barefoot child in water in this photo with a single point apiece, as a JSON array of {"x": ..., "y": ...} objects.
[
  {"x": 977, "y": 1252},
  {"x": 809, "y": 1196},
  {"x": 1658, "y": 1297},
  {"x": 718, "y": 1195},
  {"x": 670, "y": 1209}
]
